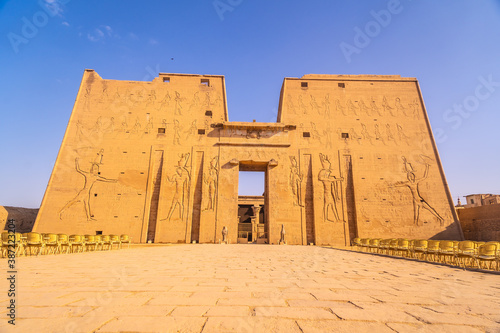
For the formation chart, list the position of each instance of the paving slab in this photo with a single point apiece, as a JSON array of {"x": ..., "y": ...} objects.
[{"x": 246, "y": 288}]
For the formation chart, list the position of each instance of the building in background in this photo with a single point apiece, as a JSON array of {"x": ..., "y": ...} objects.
[
  {"x": 480, "y": 217},
  {"x": 476, "y": 200}
]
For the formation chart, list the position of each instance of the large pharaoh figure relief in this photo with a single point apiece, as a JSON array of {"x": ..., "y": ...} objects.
[
  {"x": 413, "y": 182},
  {"x": 91, "y": 178},
  {"x": 181, "y": 180},
  {"x": 332, "y": 191}
]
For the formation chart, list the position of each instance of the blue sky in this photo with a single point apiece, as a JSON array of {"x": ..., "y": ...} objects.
[{"x": 451, "y": 46}]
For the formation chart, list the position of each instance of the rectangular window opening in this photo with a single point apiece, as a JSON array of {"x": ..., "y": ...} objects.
[
  {"x": 306, "y": 134},
  {"x": 166, "y": 79},
  {"x": 345, "y": 135},
  {"x": 98, "y": 232},
  {"x": 208, "y": 113},
  {"x": 205, "y": 82},
  {"x": 201, "y": 132},
  {"x": 161, "y": 130},
  {"x": 303, "y": 84},
  {"x": 341, "y": 85}
]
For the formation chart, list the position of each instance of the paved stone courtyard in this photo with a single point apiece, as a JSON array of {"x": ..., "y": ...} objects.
[{"x": 247, "y": 288}]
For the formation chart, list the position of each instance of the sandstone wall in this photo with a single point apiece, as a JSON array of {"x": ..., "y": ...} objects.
[
  {"x": 25, "y": 217},
  {"x": 481, "y": 223},
  {"x": 348, "y": 156}
]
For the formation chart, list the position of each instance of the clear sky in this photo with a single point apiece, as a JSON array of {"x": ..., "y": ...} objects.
[{"x": 451, "y": 46}]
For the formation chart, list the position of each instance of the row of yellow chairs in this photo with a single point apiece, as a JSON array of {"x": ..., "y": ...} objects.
[
  {"x": 34, "y": 243},
  {"x": 466, "y": 254}
]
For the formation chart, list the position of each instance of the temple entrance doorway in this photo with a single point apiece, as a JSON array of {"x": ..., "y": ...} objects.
[{"x": 252, "y": 222}]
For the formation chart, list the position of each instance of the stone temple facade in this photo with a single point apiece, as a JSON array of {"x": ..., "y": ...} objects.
[{"x": 348, "y": 156}]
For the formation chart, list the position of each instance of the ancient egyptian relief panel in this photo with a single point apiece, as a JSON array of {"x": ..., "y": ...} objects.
[
  {"x": 330, "y": 219},
  {"x": 125, "y": 118},
  {"x": 404, "y": 196},
  {"x": 174, "y": 197}
]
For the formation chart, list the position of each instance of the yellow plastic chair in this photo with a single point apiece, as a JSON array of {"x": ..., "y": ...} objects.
[
  {"x": 411, "y": 245},
  {"x": 466, "y": 251},
  {"x": 419, "y": 248},
  {"x": 78, "y": 242},
  {"x": 373, "y": 245},
  {"x": 115, "y": 239},
  {"x": 63, "y": 241},
  {"x": 12, "y": 242},
  {"x": 384, "y": 246},
  {"x": 90, "y": 244},
  {"x": 125, "y": 239},
  {"x": 51, "y": 243},
  {"x": 34, "y": 240},
  {"x": 446, "y": 252},
  {"x": 106, "y": 241},
  {"x": 355, "y": 242},
  {"x": 24, "y": 238},
  {"x": 98, "y": 242},
  {"x": 488, "y": 253},
  {"x": 365, "y": 243},
  {"x": 478, "y": 245},
  {"x": 403, "y": 247},
  {"x": 432, "y": 250},
  {"x": 393, "y": 246}
]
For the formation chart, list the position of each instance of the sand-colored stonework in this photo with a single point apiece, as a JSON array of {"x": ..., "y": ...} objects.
[
  {"x": 349, "y": 155},
  {"x": 24, "y": 217}
]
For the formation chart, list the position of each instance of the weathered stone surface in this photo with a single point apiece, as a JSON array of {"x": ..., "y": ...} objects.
[
  {"x": 348, "y": 155},
  {"x": 25, "y": 217}
]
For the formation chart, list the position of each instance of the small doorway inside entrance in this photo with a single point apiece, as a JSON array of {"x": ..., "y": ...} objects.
[{"x": 252, "y": 226}]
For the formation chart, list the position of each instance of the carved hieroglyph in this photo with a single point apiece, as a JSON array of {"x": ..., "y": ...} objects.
[
  {"x": 314, "y": 104},
  {"x": 296, "y": 182},
  {"x": 165, "y": 102},
  {"x": 177, "y": 134},
  {"x": 351, "y": 108},
  {"x": 419, "y": 203},
  {"x": 178, "y": 104},
  {"x": 331, "y": 189},
  {"x": 210, "y": 180},
  {"x": 366, "y": 135},
  {"x": 387, "y": 107},
  {"x": 191, "y": 131},
  {"x": 326, "y": 104}
]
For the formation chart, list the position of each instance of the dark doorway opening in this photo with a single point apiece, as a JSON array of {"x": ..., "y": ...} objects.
[{"x": 252, "y": 223}]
